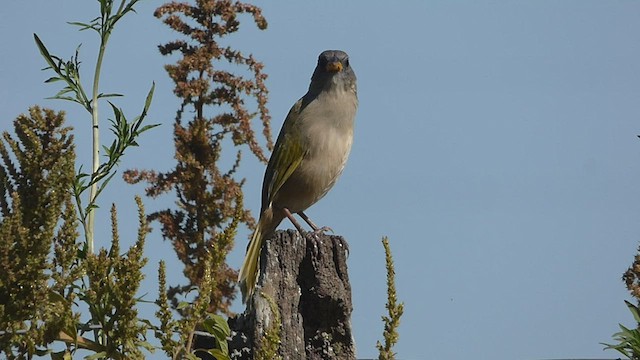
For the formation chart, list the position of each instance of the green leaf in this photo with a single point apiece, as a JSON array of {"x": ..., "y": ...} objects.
[
  {"x": 104, "y": 184},
  {"x": 64, "y": 90},
  {"x": 101, "y": 95},
  {"x": 628, "y": 339},
  {"x": 182, "y": 305},
  {"x": 104, "y": 7},
  {"x": 190, "y": 356},
  {"x": 218, "y": 354},
  {"x": 140, "y": 299},
  {"x": 45, "y": 53},
  {"x": 146, "y": 345},
  {"x": 53, "y": 79},
  {"x": 82, "y": 252},
  {"x": 220, "y": 323},
  {"x": 82, "y": 26},
  {"x": 68, "y": 98},
  {"x": 146, "y": 127},
  {"x": 147, "y": 102},
  {"x": 97, "y": 355},
  {"x": 107, "y": 150},
  {"x": 215, "y": 331},
  {"x": 42, "y": 352},
  {"x": 60, "y": 355},
  {"x": 634, "y": 311},
  {"x": 55, "y": 297},
  {"x": 117, "y": 112},
  {"x": 217, "y": 326}
]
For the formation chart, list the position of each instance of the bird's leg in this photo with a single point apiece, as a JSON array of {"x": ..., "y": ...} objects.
[
  {"x": 308, "y": 221},
  {"x": 316, "y": 229},
  {"x": 293, "y": 220},
  {"x": 314, "y": 236}
]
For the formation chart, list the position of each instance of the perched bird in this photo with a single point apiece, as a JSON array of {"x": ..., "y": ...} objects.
[{"x": 309, "y": 156}]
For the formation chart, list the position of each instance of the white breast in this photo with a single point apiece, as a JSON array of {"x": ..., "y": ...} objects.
[
  {"x": 329, "y": 138},
  {"x": 326, "y": 128}
]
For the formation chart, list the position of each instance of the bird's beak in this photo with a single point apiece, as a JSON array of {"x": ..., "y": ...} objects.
[{"x": 334, "y": 66}]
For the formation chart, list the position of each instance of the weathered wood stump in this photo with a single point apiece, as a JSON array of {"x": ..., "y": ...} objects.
[{"x": 303, "y": 298}]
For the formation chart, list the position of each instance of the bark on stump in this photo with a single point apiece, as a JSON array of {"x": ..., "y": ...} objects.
[{"x": 304, "y": 284}]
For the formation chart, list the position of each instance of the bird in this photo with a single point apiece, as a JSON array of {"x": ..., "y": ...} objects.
[{"x": 310, "y": 154}]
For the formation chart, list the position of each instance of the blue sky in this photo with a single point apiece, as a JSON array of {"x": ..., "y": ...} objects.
[{"x": 495, "y": 145}]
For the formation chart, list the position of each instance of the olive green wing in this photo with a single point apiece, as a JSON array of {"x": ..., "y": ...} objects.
[{"x": 287, "y": 155}]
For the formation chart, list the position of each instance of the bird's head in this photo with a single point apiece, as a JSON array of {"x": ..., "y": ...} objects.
[{"x": 333, "y": 69}]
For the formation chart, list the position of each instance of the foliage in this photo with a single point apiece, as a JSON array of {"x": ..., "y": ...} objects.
[
  {"x": 209, "y": 199},
  {"x": 631, "y": 277},
  {"x": 395, "y": 310},
  {"x": 50, "y": 281},
  {"x": 39, "y": 292},
  {"x": 217, "y": 326},
  {"x": 35, "y": 291},
  {"x": 114, "y": 281},
  {"x": 126, "y": 132},
  {"x": 628, "y": 339},
  {"x": 177, "y": 336},
  {"x": 50, "y": 278}
]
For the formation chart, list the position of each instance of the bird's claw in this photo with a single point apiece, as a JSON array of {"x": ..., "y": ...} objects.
[
  {"x": 322, "y": 231},
  {"x": 315, "y": 237}
]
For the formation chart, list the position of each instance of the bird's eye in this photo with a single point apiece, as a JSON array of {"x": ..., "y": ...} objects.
[{"x": 346, "y": 63}]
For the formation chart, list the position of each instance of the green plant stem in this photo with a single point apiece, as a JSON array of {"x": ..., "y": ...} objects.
[
  {"x": 95, "y": 153},
  {"x": 93, "y": 190}
]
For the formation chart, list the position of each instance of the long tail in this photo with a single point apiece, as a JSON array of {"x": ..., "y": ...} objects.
[{"x": 249, "y": 271}]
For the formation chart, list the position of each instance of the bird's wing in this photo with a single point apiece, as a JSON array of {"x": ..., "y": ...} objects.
[{"x": 286, "y": 157}]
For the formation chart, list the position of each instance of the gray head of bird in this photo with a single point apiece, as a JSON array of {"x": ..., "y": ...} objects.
[{"x": 333, "y": 72}]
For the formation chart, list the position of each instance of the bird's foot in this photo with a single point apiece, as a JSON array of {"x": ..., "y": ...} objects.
[
  {"x": 316, "y": 237},
  {"x": 313, "y": 237},
  {"x": 321, "y": 231}
]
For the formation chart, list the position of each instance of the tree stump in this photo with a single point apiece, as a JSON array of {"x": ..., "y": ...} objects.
[{"x": 301, "y": 308}]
